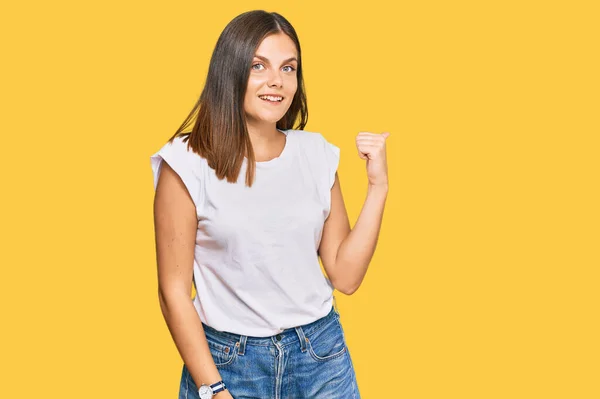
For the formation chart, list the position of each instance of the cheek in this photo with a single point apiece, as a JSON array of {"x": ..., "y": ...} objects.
[
  {"x": 255, "y": 83},
  {"x": 292, "y": 85},
  {"x": 253, "y": 89},
  {"x": 250, "y": 96}
]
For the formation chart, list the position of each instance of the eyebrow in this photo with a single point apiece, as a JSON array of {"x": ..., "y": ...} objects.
[{"x": 284, "y": 61}]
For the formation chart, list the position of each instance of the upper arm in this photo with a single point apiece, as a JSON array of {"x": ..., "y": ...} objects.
[
  {"x": 335, "y": 230},
  {"x": 175, "y": 224}
]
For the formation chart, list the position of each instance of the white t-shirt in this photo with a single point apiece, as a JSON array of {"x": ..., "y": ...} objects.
[{"x": 256, "y": 268}]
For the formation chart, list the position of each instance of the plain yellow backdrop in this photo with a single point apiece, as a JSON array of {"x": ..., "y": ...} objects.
[{"x": 485, "y": 282}]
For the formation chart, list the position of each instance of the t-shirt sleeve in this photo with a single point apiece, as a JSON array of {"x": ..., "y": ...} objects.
[
  {"x": 183, "y": 161},
  {"x": 331, "y": 161}
]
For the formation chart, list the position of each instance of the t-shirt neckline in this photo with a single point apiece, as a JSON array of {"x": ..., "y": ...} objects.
[{"x": 272, "y": 162}]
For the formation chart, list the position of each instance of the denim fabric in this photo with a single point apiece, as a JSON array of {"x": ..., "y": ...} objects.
[{"x": 310, "y": 361}]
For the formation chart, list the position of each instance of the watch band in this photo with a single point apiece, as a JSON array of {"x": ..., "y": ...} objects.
[
  {"x": 218, "y": 387},
  {"x": 208, "y": 391}
]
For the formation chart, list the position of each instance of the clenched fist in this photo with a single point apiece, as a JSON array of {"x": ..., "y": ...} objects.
[{"x": 371, "y": 146}]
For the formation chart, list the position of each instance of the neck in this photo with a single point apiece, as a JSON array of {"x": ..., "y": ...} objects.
[
  {"x": 262, "y": 132},
  {"x": 266, "y": 140}
]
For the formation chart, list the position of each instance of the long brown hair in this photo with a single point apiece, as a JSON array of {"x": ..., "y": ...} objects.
[{"x": 220, "y": 134}]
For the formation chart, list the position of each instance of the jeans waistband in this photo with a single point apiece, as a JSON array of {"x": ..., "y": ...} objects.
[{"x": 283, "y": 338}]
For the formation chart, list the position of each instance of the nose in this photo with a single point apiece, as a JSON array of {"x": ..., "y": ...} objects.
[{"x": 275, "y": 79}]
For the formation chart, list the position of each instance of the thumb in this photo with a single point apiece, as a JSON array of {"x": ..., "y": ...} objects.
[{"x": 385, "y": 135}]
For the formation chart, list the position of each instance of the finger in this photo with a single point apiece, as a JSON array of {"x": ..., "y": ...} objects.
[
  {"x": 378, "y": 137},
  {"x": 369, "y": 148},
  {"x": 367, "y": 134},
  {"x": 376, "y": 143}
]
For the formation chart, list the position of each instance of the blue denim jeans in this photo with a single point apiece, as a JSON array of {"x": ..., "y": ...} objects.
[{"x": 310, "y": 361}]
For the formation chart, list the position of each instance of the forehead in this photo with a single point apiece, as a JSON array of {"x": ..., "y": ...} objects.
[{"x": 278, "y": 46}]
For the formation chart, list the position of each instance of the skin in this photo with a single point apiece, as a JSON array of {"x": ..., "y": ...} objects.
[
  {"x": 345, "y": 252},
  {"x": 271, "y": 72}
]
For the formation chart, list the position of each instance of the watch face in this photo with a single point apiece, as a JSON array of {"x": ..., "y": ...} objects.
[{"x": 205, "y": 392}]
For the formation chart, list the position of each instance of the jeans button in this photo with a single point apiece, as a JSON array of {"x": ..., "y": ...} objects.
[{"x": 278, "y": 337}]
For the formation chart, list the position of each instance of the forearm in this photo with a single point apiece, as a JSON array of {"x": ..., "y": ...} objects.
[
  {"x": 188, "y": 334},
  {"x": 357, "y": 249}
]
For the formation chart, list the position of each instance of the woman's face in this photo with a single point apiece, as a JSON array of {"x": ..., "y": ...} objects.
[{"x": 273, "y": 72}]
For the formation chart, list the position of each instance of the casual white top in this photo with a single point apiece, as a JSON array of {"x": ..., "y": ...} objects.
[{"x": 256, "y": 267}]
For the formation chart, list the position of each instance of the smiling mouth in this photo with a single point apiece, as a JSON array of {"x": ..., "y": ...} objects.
[{"x": 271, "y": 99}]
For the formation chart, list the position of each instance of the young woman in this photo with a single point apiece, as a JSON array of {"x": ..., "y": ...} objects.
[{"x": 244, "y": 207}]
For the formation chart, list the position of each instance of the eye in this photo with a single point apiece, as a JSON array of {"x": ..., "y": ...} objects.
[
  {"x": 257, "y": 65},
  {"x": 291, "y": 68}
]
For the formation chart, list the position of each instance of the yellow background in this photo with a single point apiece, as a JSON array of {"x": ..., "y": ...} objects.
[{"x": 485, "y": 281}]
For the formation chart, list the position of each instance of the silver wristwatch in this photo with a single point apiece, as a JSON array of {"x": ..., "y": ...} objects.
[{"x": 208, "y": 391}]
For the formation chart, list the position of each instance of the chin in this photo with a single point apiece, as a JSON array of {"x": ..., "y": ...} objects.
[{"x": 273, "y": 119}]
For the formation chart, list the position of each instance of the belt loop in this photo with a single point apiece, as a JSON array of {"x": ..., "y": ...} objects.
[
  {"x": 242, "y": 345},
  {"x": 302, "y": 337}
]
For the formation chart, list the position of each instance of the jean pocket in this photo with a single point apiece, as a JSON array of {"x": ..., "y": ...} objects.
[
  {"x": 327, "y": 343},
  {"x": 223, "y": 352}
]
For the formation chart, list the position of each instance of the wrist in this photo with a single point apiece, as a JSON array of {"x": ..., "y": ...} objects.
[
  {"x": 213, "y": 391},
  {"x": 380, "y": 187}
]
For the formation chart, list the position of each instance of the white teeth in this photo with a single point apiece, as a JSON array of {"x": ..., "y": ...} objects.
[{"x": 271, "y": 98}]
